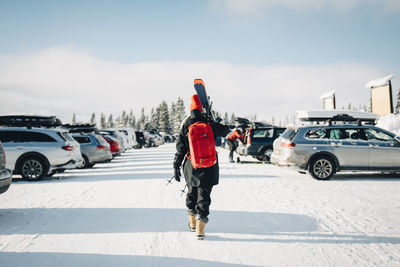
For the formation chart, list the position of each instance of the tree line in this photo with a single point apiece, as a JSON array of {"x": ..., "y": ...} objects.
[{"x": 162, "y": 118}]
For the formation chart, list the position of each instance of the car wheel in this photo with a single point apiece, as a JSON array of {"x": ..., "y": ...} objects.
[
  {"x": 85, "y": 163},
  {"x": 322, "y": 168},
  {"x": 91, "y": 165},
  {"x": 266, "y": 156},
  {"x": 32, "y": 169}
]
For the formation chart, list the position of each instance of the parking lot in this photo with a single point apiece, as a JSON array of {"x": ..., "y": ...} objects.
[{"x": 123, "y": 213}]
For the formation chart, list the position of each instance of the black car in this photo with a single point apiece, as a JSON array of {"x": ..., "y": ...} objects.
[
  {"x": 141, "y": 141},
  {"x": 259, "y": 139}
]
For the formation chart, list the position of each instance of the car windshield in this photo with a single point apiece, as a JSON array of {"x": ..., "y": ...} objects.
[
  {"x": 289, "y": 134},
  {"x": 66, "y": 136},
  {"x": 263, "y": 133}
]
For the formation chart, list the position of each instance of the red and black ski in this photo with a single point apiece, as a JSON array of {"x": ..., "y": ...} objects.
[{"x": 200, "y": 88}]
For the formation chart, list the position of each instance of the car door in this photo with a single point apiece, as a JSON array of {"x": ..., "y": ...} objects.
[
  {"x": 350, "y": 147},
  {"x": 12, "y": 146},
  {"x": 384, "y": 148}
]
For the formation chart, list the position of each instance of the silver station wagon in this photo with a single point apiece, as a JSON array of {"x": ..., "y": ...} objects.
[{"x": 324, "y": 150}]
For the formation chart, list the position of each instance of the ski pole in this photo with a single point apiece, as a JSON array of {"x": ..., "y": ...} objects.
[
  {"x": 169, "y": 180},
  {"x": 183, "y": 191}
]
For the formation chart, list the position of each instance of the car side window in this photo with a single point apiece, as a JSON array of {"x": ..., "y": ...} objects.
[
  {"x": 9, "y": 136},
  {"x": 376, "y": 135},
  {"x": 355, "y": 134},
  {"x": 36, "y": 137},
  {"x": 82, "y": 139},
  {"x": 316, "y": 134}
]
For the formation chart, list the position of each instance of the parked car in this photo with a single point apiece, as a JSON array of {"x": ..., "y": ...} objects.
[
  {"x": 167, "y": 138},
  {"x": 36, "y": 152},
  {"x": 130, "y": 136},
  {"x": 123, "y": 143},
  {"x": 323, "y": 150},
  {"x": 150, "y": 140},
  {"x": 114, "y": 145},
  {"x": 140, "y": 139},
  {"x": 259, "y": 139},
  {"x": 5, "y": 174},
  {"x": 94, "y": 149},
  {"x": 158, "y": 140}
]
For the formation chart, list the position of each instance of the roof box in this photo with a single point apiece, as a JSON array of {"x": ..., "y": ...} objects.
[
  {"x": 336, "y": 115},
  {"x": 29, "y": 121}
]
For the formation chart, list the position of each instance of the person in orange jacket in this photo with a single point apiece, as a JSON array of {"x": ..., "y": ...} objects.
[{"x": 231, "y": 140}]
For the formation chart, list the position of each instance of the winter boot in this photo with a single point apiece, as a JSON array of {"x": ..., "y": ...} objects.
[
  {"x": 192, "y": 223},
  {"x": 200, "y": 229}
]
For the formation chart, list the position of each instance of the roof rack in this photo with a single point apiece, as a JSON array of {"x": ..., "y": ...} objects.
[
  {"x": 81, "y": 128},
  {"x": 30, "y": 121},
  {"x": 337, "y": 116}
]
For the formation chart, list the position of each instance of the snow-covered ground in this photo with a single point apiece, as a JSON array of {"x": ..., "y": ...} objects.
[{"x": 123, "y": 214}]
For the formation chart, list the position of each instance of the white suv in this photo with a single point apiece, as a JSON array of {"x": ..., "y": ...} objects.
[{"x": 38, "y": 152}]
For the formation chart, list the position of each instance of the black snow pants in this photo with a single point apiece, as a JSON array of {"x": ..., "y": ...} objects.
[
  {"x": 198, "y": 200},
  {"x": 232, "y": 145}
]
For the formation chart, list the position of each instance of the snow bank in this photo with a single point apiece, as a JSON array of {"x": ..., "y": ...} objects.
[{"x": 390, "y": 122}]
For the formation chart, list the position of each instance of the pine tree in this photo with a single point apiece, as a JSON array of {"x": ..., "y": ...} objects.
[
  {"x": 118, "y": 122},
  {"x": 233, "y": 118},
  {"x": 103, "y": 123},
  {"x": 397, "y": 108},
  {"x": 123, "y": 119},
  {"x": 93, "y": 119},
  {"x": 172, "y": 116},
  {"x": 155, "y": 118},
  {"x": 73, "y": 118},
  {"x": 164, "y": 121},
  {"x": 226, "y": 118},
  {"x": 147, "y": 124},
  {"x": 130, "y": 118},
  {"x": 133, "y": 122},
  {"x": 180, "y": 115},
  {"x": 142, "y": 120},
  {"x": 110, "y": 123}
]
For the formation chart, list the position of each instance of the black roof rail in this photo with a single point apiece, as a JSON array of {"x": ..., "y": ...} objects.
[{"x": 30, "y": 121}]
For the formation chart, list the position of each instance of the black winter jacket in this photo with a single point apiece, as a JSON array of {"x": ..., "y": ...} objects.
[{"x": 204, "y": 177}]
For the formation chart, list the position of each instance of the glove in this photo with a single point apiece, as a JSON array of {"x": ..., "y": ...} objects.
[{"x": 177, "y": 174}]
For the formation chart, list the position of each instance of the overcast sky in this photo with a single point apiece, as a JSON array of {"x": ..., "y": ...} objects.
[{"x": 264, "y": 57}]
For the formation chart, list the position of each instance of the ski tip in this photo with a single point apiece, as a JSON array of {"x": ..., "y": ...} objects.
[{"x": 199, "y": 81}]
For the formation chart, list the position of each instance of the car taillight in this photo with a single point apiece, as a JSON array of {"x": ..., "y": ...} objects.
[
  {"x": 100, "y": 147},
  {"x": 68, "y": 148},
  {"x": 249, "y": 137},
  {"x": 288, "y": 145}
]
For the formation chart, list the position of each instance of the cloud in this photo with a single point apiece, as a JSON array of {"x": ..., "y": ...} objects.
[
  {"x": 252, "y": 7},
  {"x": 65, "y": 80}
]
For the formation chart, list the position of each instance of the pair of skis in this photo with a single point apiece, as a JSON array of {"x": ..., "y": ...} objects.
[{"x": 200, "y": 88}]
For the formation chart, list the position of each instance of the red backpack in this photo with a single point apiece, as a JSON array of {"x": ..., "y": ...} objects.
[{"x": 202, "y": 151}]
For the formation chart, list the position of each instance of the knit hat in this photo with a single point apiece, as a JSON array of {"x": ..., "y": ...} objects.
[{"x": 196, "y": 104}]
